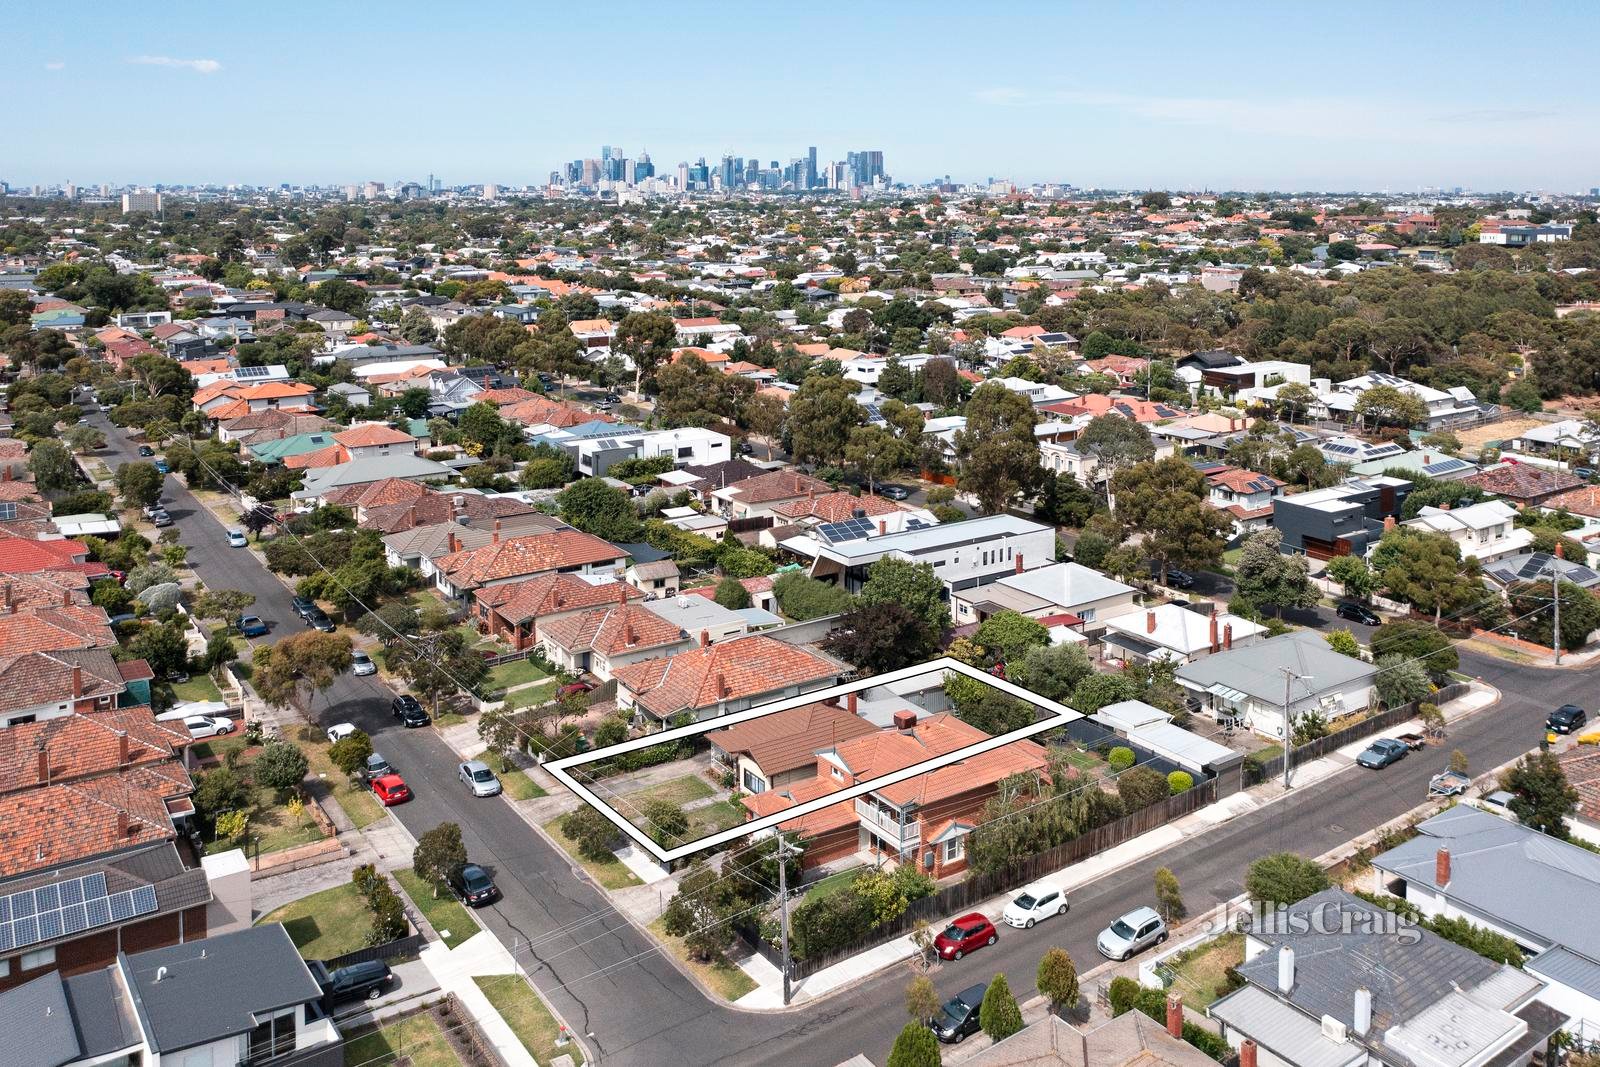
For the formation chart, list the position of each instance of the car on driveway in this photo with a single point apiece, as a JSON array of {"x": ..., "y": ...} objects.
[
  {"x": 894, "y": 492},
  {"x": 572, "y": 688},
  {"x": 361, "y": 664},
  {"x": 376, "y": 767},
  {"x": 353, "y": 982},
  {"x": 391, "y": 789},
  {"x": 160, "y": 519},
  {"x": 479, "y": 778},
  {"x": 1133, "y": 933},
  {"x": 1358, "y": 613},
  {"x": 236, "y": 539},
  {"x": 202, "y": 726},
  {"x": 318, "y": 619},
  {"x": 1566, "y": 719},
  {"x": 1382, "y": 752},
  {"x": 146, "y": 451},
  {"x": 963, "y": 935},
  {"x": 473, "y": 886},
  {"x": 958, "y": 1018},
  {"x": 1038, "y": 901},
  {"x": 252, "y": 626},
  {"x": 410, "y": 713}
]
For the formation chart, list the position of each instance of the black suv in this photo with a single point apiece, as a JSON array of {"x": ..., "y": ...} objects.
[
  {"x": 353, "y": 982},
  {"x": 959, "y": 1017},
  {"x": 1358, "y": 613},
  {"x": 1566, "y": 718},
  {"x": 408, "y": 711}
]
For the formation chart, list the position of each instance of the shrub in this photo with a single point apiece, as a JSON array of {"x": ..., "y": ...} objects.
[
  {"x": 591, "y": 832},
  {"x": 231, "y": 825},
  {"x": 999, "y": 1014},
  {"x": 915, "y": 1047},
  {"x": 1179, "y": 782},
  {"x": 1141, "y": 787},
  {"x": 220, "y": 791},
  {"x": 1284, "y": 878},
  {"x": 1124, "y": 995},
  {"x": 1120, "y": 758},
  {"x": 731, "y": 594},
  {"x": 281, "y": 766},
  {"x": 350, "y": 752}
]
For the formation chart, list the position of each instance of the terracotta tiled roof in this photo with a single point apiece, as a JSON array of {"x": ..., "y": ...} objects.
[
  {"x": 277, "y": 391},
  {"x": 937, "y": 735},
  {"x": 86, "y": 744},
  {"x": 1522, "y": 481},
  {"x": 1126, "y": 406},
  {"x": 331, "y": 456},
  {"x": 777, "y": 485},
  {"x": 30, "y": 679},
  {"x": 550, "y": 594},
  {"x": 233, "y": 409},
  {"x": 729, "y": 670},
  {"x": 435, "y": 508},
  {"x": 613, "y": 630},
  {"x": 530, "y": 555},
  {"x": 65, "y": 823},
  {"x": 223, "y": 387},
  {"x": 514, "y": 394},
  {"x": 836, "y": 507},
  {"x": 21, "y": 556},
  {"x": 55, "y": 628},
  {"x": 377, "y": 494},
  {"x": 790, "y": 739},
  {"x": 1242, "y": 481},
  {"x": 46, "y": 588},
  {"x": 833, "y": 817},
  {"x": 373, "y": 433},
  {"x": 1583, "y": 500},
  {"x": 540, "y": 410}
]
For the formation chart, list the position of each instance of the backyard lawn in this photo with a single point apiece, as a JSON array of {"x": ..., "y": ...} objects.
[
  {"x": 445, "y": 914},
  {"x": 1201, "y": 974},
  {"x": 326, "y": 924},
  {"x": 726, "y": 978},
  {"x": 527, "y": 1016},
  {"x": 610, "y": 874},
  {"x": 416, "y": 1040},
  {"x": 678, "y": 792},
  {"x": 198, "y": 687}
]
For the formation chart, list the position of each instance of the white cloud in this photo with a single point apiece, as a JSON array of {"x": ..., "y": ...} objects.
[
  {"x": 55, "y": 65},
  {"x": 199, "y": 66}
]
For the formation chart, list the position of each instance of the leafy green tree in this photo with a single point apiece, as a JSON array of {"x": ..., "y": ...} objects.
[
  {"x": 914, "y": 1046},
  {"x": 699, "y": 911},
  {"x": 997, "y": 450},
  {"x": 84, "y": 438},
  {"x": 668, "y": 823},
  {"x": 221, "y": 603},
  {"x": 439, "y": 856},
  {"x": 1293, "y": 398},
  {"x": 599, "y": 509},
  {"x": 350, "y": 752},
  {"x": 1343, "y": 642},
  {"x": 1098, "y": 690},
  {"x": 916, "y": 586},
  {"x": 801, "y": 597},
  {"x": 922, "y": 999},
  {"x": 590, "y": 831},
  {"x": 162, "y": 646},
  {"x": 1353, "y": 574},
  {"x": 1009, "y": 635},
  {"x": 765, "y": 415},
  {"x": 1140, "y": 787},
  {"x": 1165, "y": 501},
  {"x": 1426, "y": 571},
  {"x": 1052, "y": 671},
  {"x": 822, "y": 414},
  {"x": 1384, "y": 405},
  {"x": 1415, "y": 640},
  {"x": 1400, "y": 680},
  {"x": 647, "y": 338},
  {"x": 1542, "y": 798},
  {"x": 1169, "y": 894},
  {"x": 876, "y": 454},
  {"x": 1267, "y": 576},
  {"x": 1533, "y": 608},
  {"x": 289, "y": 673},
  {"x": 281, "y": 766},
  {"x": 1284, "y": 878},
  {"x": 1115, "y": 442},
  {"x": 438, "y": 667},
  {"x": 1057, "y": 979},
  {"x": 999, "y": 1015},
  {"x": 219, "y": 791},
  {"x": 52, "y": 466},
  {"x": 883, "y": 636},
  {"x": 732, "y": 594}
]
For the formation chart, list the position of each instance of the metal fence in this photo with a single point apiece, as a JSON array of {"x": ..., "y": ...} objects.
[
  {"x": 965, "y": 895},
  {"x": 1256, "y": 771},
  {"x": 409, "y": 945}
]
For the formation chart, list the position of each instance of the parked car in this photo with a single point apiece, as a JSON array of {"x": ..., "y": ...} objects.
[
  {"x": 1566, "y": 719},
  {"x": 318, "y": 619},
  {"x": 391, "y": 789},
  {"x": 302, "y": 605},
  {"x": 151, "y": 509},
  {"x": 339, "y": 731},
  {"x": 958, "y": 1019},
  {"x": 1179, "y": 579},
  {"x": 1358, "y": 613},
  {"x": 473, "y": 886},
  {"x": 202, "y": 726},
  {"x": 1133, "y": 933},
  {"x": 376, "y": 767},
  {"x": 573, "y": 687},
  {"x": 361, "y": 664},
  {"x": 894, "y": 492},
  {"x": 160, "y": 519},
  {"x": 408, "y": 711},
  {"x": 252, "y": 626},
  {"x": 479, "y": 778},
  {"x": 353, "y": 982},
  {"x": 146, "y": 451},
  {"x": 161, "y": 467},
  {"x": 603, "y": 404},
  {"x": 613, "y": 398},
  {"x": 1038, "y": 901},
  {"x": 965, "y": 934},
  {"x": 236, "y": 539},
  {"x": 1382, "y": 752}
]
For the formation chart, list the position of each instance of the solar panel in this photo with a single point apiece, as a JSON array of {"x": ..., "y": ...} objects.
[
  {"x": 49, "y": 925},
  {"x": 122, "y": 906},
  {"x": 144, "y": 899},
  {"x": 94, "y": 885},
  {"x": 73, "y": 919},
  {"x": 47, "y": 898},
  {"x": 25, "y": 931},
  {"x": 97, "y": 911},
  {"x": 72, "y": 892},
  {"x": 22, "y": 904},
  {"x": 848, "y": 530},
  {"x": 252, "y": 372},
  {"x": 5, "y": 937}
]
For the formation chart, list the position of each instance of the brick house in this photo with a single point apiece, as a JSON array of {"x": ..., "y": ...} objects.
[
  {"x": 599, "y": 641},
  {"x": 923, "y": 820},
  {"x": 715, "y": 679},
  {"x": 779, "y": 751},
  {"x": 514, "y": 611},
  {"x": 459, "y": 573}
]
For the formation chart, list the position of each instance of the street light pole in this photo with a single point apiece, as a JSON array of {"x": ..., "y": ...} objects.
[{"x": 1555, "y": 595}]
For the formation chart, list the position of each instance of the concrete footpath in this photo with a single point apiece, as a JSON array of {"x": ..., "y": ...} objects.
[{"x": 769, "y": 992}]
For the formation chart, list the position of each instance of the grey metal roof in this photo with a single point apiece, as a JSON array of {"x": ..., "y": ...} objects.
[
  {"x": 1534, "y": 566},
  {"x": 102, "y": 1012},
  {"x": 1567, "y": 968},
  {"x": 1253, "y": 669},
  {"x": 38, "y": 1025},
  {"x": 202, "y": 991},
  {"x": 1281, "y": 1030},
  {"x": 1517, "y": 878}
]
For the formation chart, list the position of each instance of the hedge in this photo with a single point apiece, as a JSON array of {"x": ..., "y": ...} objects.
[{"x": 1126, "y": 994}]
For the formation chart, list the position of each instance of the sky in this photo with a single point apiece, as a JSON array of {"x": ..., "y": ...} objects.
[{"x": 1286, "y": 96}]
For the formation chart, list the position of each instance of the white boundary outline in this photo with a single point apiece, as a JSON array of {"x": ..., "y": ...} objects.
[{"x": 1058, "y": 715}]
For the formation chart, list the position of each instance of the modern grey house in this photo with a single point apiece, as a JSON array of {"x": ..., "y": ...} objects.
[
  {"x": 241, "y": 998},
  {"x": 1341, "y": 520},
  {"x": 1248, "y": 683}
]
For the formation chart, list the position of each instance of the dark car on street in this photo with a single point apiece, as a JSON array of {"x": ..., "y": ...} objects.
[
  {"x": 958, "y": 1019},
  {"x": 1566, "y": 718},
  {"x": 146, "y": 451},
  {"x": 408, "y": 711},
  {"x": 1176, "y": 579},
  {"x": 1382, "y": 752},
  {"x": 965, "y": 934},
  {"x": 304, "y": 606},
  {"x": 353, "y": 982},
  {"x": 473, "y": 886},
  {"x": 1358, "y": 613},
  {"x": 318, "y": 619}
]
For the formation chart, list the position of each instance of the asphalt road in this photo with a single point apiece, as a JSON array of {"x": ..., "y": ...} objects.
[{"x": 607, "y": 980}]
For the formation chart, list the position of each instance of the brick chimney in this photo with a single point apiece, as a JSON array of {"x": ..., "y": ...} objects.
[
  {"x": 1388, "y": 522},
  {"x": 122, "y": 823},
  {"x": 495, "y": 537},
  {"x": 724, "y": 690},
  {"x": 705, "y": 638},
  {"x": 883, "y": 527},
  {"x": 1149, "y": 622},
  {"x": 1215, "y": 642},
  {"x": 10, "y": 601},
  {"x": 77, "y": 682},
  {"x": 44, "y": 767},
  {"x": 1441, "y": 868},
  {"x": 5, "y": 473},
  {"x": 850, "y": 703},
  {"x": 1227, "y": 636},
  {"x": 1561, "y": 553},
  {"x": 1444, "y": 506},
  {"x": 454, "y": 545},
  {"x": 1247, "y": 1053},
  {"x": 905, "y": 719},
  {"x": 122, "y": 748},
  {"x": 622, "y": 593},
  {"x": 1175, "y": 1015},
  {"x": 1019, "y": 562}
]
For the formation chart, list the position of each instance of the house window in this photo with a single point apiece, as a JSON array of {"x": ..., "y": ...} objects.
[
  {"x": 753, "y": 783},
  {"x": 8, "y": 510},
  {"x": 1087, "y": 614},
  {"x": 43, "y": 957},
  {"x": 955, "y": 848},
  {"x": 835, "y": 772},
  {"x": 273, "y": 1037}
]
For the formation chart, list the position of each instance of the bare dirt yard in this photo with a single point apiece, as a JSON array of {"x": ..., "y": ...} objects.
[{"x": 1501, "y": 430}]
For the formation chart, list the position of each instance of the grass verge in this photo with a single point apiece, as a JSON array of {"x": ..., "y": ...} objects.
[
  {"x": 527, "y": 1016},
  {"x": 610, "y": 874},
  {"x": 724, "y": 978},
  {"x": 518, "y": 786},
  {"x": 445, "y": 914}
]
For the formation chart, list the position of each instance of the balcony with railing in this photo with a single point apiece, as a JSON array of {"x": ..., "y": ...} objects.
[{"x": 887, "y": 823}]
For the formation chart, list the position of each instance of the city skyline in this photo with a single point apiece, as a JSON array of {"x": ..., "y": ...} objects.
[{"x": 1217, "y": 102}]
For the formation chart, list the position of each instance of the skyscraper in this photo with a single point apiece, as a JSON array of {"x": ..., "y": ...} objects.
[{"x": 811, "y": 167}]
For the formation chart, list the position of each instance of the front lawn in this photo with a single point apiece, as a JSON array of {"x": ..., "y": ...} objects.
[
  {"x": 725, "y": 978},
  {"x": 532, "y": 695},
  {"x": 326, "y": 924},
  {"x": 713, "y": 817},
  {"x": 517, "y": 672},
  {"x": 271, "y": 821},
  {"x": 527, "y": 1016},
  {"x": 198, "y": 687},
  {"x": 610, "y": 874},
  {"x": 677, "y": 792},
  {"x": 355, "y": 799},
  {"x": 1201, "y": 974},
  {"x": 518, "y": 786},
  {"x": 445, "y": 914},
  {"x": 416, "y": 1040}
]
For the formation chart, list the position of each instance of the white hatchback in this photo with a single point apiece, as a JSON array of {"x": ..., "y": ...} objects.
[
  {"x": 201, "y": 726},
  {"x": 1038, "y": 901}
]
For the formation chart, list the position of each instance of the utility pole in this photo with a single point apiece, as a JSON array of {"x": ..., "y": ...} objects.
[
  {"x": 1555, "y": 594},
  {"x": 1288, "y": 727},
  {"x": 783, "y": 905}
]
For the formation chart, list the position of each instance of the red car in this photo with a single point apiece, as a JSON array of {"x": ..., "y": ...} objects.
[
  {"x": 965, "y": 934},
  {"x": 391, "y": 789},
  {"x": 573, "y": 687}
]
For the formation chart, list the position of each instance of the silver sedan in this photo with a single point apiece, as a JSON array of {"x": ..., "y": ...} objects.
[{"x": 479, "y": 778}]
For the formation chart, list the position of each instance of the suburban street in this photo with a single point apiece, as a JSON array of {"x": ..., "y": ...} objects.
[{"x": 638, "y": 1008}]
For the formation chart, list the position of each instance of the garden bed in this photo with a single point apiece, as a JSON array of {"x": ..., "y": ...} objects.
[
  {"x": 527, "y": 1016},
  {"x": 445, "y": 913},
  {"x": 326, "y": 924},
  {"x": 1201, "y": 973}
]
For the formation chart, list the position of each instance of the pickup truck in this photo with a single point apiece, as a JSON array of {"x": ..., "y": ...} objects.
[{"x": 353, "y": 982}]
